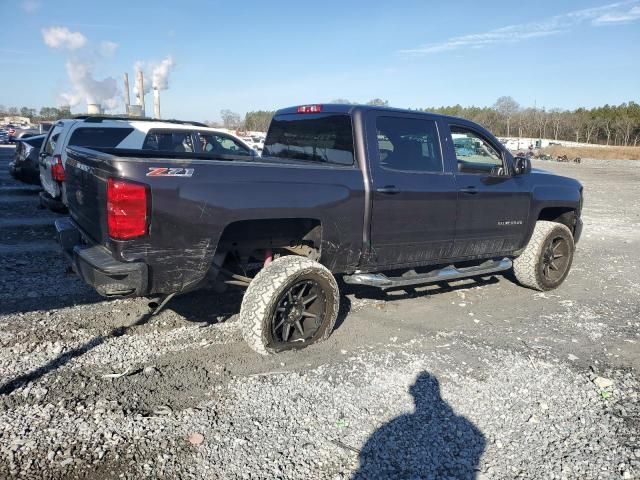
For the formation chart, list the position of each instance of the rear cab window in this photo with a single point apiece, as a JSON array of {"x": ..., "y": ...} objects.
[{"x": 319, "y": 137}]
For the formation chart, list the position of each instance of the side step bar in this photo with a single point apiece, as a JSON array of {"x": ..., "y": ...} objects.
[{"x": 445, "y": 274}]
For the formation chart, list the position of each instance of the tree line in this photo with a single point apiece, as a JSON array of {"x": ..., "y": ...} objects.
[
  {"x": 606, "y": 125},
  {"x": 44, "y": 114}
]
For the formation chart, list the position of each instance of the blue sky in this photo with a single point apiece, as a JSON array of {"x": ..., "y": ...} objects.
[{"x": 266, "y": 55}]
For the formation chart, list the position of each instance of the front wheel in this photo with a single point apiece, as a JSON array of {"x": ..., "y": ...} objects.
[
  {"x": 291, "y": 303},
  {"x": 546, "y": 260}
]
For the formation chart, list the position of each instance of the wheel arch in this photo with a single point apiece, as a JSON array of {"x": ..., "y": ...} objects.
[
  {"x": 567, "y": 216},
  {"x": 302, "y": 236}
]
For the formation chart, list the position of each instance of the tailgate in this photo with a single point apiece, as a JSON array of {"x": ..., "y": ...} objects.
[{"x": 86, "y": 174}]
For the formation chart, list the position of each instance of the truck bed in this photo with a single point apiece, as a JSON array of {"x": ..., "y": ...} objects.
[{"x": 192, "y": 201}]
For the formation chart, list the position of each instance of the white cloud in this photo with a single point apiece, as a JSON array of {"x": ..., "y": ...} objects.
[
  {"x": 606, "y": 14},
  {"x": 618, "y": 17},
  {"x": 161, "y": 71},
  {"x": 62, "y": 37},
  {"x": 107, "y": 48},
  {"x": 30, "y": 6}
]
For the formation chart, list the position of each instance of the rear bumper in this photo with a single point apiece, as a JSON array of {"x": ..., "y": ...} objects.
[
  {"x": 95, "y": 265},
  {"x": 54, "y": 204}
]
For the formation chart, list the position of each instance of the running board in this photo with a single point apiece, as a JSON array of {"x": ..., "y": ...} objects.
[{"x": 445, "y": 274}]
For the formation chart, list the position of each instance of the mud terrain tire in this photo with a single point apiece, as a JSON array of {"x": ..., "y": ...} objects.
[
  {"x": 267, "y": 292},
  {"x": 546, "y": 260}
]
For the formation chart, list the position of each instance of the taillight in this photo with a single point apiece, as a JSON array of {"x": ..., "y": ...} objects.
[
  {"x": 126, "y": 209},
  {"x": 57, "y": 170},
  {"x": 309, "y": 108}
]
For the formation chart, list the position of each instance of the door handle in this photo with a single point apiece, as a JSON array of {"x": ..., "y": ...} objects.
[
  {"x": 469, "y": 190},
  {"x": 388, "y": 190}
]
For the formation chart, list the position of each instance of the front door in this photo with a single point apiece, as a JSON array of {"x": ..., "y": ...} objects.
[
  {"x": 493, "y": 205},
  {"x": 413, "y": 196}
]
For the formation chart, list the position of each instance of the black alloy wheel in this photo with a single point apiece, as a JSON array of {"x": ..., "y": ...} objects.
[
  {"x": 300, "y": 312},
  {"x": 555, "y": 259}
]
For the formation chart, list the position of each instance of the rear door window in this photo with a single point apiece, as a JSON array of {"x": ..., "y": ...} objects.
[
  {"x": 99, "y": 137},
  {"x": 166, "y": 140},
  {"x": 322, "y": 138},
  {"x": 408, "y": 144},
  {"x": 217, "y": 144}
]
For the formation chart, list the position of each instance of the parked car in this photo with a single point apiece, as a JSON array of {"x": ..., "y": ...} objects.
[
  {"x": 4, "y": 137},
  {"x": 11, "y": 130},
  {"x": 122, "y": 133},
  {"x": 25, "y": 163},
  {"x": 25, "y": 133},
  {"x": 322, "y": 201},
  {"x": 253, "y": 142}
]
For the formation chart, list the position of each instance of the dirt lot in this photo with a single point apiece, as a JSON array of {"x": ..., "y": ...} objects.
[
  {"x": 610, "y": 152},
  {"x": 482, "y": 379}
]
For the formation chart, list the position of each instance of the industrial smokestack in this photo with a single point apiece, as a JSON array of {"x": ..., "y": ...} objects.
[
  {"x": 127, "y": 99},
  {"x": 141, "y": 91},
  {"x": 156, "y": 103},
  {"x": 135, "y": 111},
  {"x": 94, "y": 109}
]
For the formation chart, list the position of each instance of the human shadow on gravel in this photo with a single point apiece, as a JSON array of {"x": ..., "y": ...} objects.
[
  {"x": 433, "y": 442},
  {"x": 66, "y": 357}
]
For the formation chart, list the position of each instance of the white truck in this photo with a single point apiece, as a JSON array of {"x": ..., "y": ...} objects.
[{"x": 125, "y": 134}]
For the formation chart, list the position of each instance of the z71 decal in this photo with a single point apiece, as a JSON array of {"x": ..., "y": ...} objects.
[{"x": 170, "y": 172}]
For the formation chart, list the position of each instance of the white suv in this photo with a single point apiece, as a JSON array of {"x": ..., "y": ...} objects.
[{"x": 124, "y": 133}]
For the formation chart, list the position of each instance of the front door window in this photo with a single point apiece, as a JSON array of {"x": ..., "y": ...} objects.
[{"x": 475, "y": 154}]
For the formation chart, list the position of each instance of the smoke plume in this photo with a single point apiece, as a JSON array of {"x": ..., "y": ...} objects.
[
  {"x": 158, "y": 72},
  {"x": 161, "y": 73},
  {"x": 85, "y": 88}
]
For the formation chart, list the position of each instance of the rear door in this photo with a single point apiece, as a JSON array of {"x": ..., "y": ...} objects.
[
  {"x": 493, "y": 205},
  {"x": 413, "y": 211}
]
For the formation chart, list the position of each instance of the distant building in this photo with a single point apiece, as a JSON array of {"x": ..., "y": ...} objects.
[{"x": 16, "y": 120}]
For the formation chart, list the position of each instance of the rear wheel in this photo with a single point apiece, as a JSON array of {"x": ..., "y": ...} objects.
[
  {"x": 290, "y": 304},
  {"x": 546, "y": 260}
]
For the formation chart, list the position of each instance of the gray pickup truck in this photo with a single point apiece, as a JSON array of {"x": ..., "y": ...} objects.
[{"x": 378, "y": 196}]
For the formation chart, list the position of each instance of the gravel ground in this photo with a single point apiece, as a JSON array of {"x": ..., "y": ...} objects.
[{"x": 483, "y": 379}]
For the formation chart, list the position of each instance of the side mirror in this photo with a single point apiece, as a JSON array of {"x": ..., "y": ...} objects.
[{"x": 522, "y": 165}]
